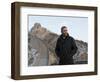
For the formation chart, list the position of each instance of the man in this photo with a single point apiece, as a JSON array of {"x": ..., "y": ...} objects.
[{"x": 65, "y": 47}]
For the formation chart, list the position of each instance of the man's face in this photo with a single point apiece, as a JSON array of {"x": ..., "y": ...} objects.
[{"x": 65, "y": 31}]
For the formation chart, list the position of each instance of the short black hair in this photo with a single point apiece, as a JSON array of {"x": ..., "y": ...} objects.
[{"x": 63, "y": 28}]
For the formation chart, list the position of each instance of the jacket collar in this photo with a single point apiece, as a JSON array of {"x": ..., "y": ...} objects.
[{"x": 62, "y": 36}]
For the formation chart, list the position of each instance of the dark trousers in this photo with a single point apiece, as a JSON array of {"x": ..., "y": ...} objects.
[{"x": 66, "y": 61}]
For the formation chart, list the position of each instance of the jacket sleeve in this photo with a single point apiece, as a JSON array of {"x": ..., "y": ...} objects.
[
  {"x": 57, "y": 49},
  {"x": 74, "y": 47}
]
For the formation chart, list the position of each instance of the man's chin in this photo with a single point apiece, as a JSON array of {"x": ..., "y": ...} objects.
[{"x": 65, "y": 34}]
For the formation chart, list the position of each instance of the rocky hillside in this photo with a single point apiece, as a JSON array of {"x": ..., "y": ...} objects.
[{"x": 41, "y": 48}]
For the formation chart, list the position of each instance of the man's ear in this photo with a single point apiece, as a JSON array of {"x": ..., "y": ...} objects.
[{"x": 62, "y": 31}]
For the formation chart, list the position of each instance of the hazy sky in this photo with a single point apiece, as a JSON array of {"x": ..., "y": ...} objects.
[{"x": 77, "y": 26}]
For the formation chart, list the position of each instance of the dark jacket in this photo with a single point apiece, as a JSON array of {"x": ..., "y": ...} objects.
[{"x": 65, "y": 49}]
